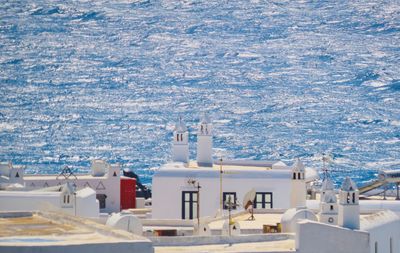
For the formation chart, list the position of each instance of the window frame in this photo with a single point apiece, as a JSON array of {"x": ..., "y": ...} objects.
[
  {"x": 191, "y": 204},
  {"x": 225, "y": 196},
  {"x": 264, "y": 203},
  {"x": 102, "y": 200}
]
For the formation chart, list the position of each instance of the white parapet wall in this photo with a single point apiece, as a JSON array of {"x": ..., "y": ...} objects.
[
  {"x": 83, "y": 203},
  {"x": 104, "y": 180},
  {"x": 384, "y": 233},
  {"x": 315, "y": 237},
  {"x": 207, "y": 240},
  {"x": 87, "y": 236}
]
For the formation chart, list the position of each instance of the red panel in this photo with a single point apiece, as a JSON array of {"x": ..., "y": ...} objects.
[{"x": 128, "y": 193}]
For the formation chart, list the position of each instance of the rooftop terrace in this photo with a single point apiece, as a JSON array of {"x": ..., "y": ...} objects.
[{"x": 55, "y": 232}]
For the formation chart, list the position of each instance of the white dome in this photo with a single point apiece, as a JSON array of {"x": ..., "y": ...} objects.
[
  {"x": 99, "y": 168},
  {"x": 329, "y": 197},
  {"x": 327, "y": 185},
  {"x": 180, "y": 127},
  {"x": 67, "y": 188},
  {"x": 349, "y": 185},
  {"x": 125, "y": 221},
  {"x": 292, "y": 216},
  {"x": 279, "y": 165},
  {"x": 205, "y": 119},
  {"x": 298, "y": 166}
]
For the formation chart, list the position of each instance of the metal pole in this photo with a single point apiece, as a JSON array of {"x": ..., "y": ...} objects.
[
  {"x": 384, "y": 192},
  {"x": 198, "y": 206},
  {"x": 229, "y": 210},
  {"x": 221, "y": 205},
  {"x": 75, "y": 203}
]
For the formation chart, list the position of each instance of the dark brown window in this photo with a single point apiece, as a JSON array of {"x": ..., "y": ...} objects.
[{"x": 102, "y": 200}]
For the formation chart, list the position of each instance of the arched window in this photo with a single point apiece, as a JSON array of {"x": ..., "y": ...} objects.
[
  {"x": 354, "y": 197},
  {"x": 67, "y": 199},
  {"x": 299, "y": 175},
  {"x": 294, "y": 175},
  {"x": 181, "y": 137},
  {"x": 331, "y": 207},
  {"x": 348, "y": 198},
  {"x": 177, "y": 137}
]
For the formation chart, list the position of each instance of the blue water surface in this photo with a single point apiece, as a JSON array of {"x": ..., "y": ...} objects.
[{"x": 281, "y": 79}]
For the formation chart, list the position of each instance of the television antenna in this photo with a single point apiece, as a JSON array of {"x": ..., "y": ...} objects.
[
  {"x": 196, "y": 184},
  {"x": 230, "y": 205},
  {"x": 67, "y": 173},
  {"x": 326, "y": 159}
]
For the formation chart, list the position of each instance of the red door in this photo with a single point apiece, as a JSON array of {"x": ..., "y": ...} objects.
[{"x": 128, "y": 193}]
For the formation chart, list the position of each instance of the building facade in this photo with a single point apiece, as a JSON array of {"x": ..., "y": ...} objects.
[
  {"x": 373, "y": 233},
  {"x": 82, "y": 203},
  {"x": 203, "y": 188},
  {"x": 104, "y": 179}
]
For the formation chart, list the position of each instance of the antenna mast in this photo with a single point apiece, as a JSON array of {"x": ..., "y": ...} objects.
[
  {"x": 325, "y": 160},
  {"x": 221, "y": 204}
]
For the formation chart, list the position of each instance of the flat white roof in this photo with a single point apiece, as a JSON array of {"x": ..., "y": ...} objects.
[
  {"x": 56, "y": 229},
  {"x": 229, "y": 171},
  {"x": 46, "y": 177},
  {"x": 377, "y": 219},
  {"x": 232, "y": 169}
]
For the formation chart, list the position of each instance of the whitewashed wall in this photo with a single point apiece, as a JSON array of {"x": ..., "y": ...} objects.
[
  {"x": 86, "y": 203},
  {"x": 107, "y": 184},
  {"x": 315, "y": 237},
  {"x": 167, "y": 192},
  {"x": 384, "y": 226}
]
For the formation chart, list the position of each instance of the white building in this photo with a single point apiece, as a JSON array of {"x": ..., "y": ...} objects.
[
  {"x": 104, "y": 179},
  {"x": 349, "y": 208},
  {"x": 181, "y": 143},
  {"x": 298, "y": 195},
  {"x": 175, "y": 185},
  {"x": 10, "y": 174},
  {"x": 373, "y": 233},
  {"x": 63, "y": 198},
  {"x": 328, "y": 206}
]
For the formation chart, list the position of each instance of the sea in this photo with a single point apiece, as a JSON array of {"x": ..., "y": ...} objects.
[{"x": 105, "y": 79}]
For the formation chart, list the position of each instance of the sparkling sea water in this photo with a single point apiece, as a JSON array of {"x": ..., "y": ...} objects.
[{"x": 281, "y": 79}]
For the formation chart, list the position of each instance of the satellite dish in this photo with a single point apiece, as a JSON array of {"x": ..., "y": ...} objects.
[
  {"x": 249, "y": 198},
  {"x": 248, "y": 202}
]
